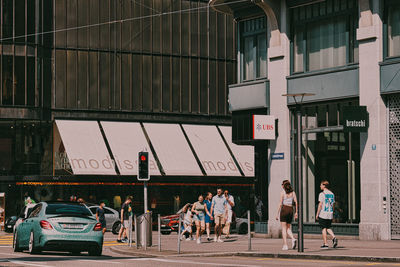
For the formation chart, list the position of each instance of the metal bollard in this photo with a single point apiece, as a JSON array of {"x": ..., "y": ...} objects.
[
  {"x": 159, "y": 232},
  {"x": 130, "y": 232},
  {"x": 136, "y": 232},
  {"x": 179, "y": 234},
  {"x": 248, "y": 229}
]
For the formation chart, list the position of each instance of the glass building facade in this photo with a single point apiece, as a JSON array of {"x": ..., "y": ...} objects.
[{"x": 158, "y": 60}]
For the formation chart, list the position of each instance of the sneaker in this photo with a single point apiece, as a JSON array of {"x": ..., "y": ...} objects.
[
  {"x": 227, "y": 237},
  {"x": 285, "y": 247},
  {"x": 188, "y": 239},
  {"x": 335, "y": 242},
  {"x": 324, "y": 246},
  {"x": 220, "y": 240},
  {"x": 294, "y": 243},
  {"x": 215, "y": 239},
  {"x": 208, "y": 238},
  {"x": 124, "y": 240},
  {"x": 119, "y": 241},
  {"x": 198, "y": 241}
]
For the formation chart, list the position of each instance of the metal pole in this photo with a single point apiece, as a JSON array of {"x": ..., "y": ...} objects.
[
  {"x": 159, "y": 232},
  {"x": 136, "y": 232},
  {"x": 300, "y": 180},
  {"x": 130, "y": 232},
  {"x": 350, "y": 182},
  {"x": 145, "y": 230},
  {"x": 145, "y": 196},
  {"x": 248, "y": 230},
  {"x": 179, "y": 234},
  {"x": 145, "y": 211}
]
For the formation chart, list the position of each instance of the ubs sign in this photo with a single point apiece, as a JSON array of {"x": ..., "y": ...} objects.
[
  {"x": 263, "y": 127},
  {"x": 355, "y": 119}
]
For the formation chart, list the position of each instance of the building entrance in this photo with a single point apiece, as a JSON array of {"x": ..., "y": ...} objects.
[
  {"x": 394, "y": 166},
  {"x": 326, "y": 157},
  {"x": 327, "y": 151}
]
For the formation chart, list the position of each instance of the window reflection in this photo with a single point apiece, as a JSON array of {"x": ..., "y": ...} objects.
[
  {"x": 394, "y": 31},
  {"x": 254, "y": 48}
]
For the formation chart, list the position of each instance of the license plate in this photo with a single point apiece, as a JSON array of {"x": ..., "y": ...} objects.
[
  {"x": 9, "y": 226},
  {"x": 72, "y": 225}
]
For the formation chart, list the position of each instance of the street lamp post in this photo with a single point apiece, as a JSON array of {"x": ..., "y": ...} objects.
[{"x": 299, "y": 186}]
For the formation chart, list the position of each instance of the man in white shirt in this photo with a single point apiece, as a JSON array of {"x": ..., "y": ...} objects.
[
  {"x": 230, "y": 202},
  {"x": 218, "y": 206},
  {"x": 325, "y": 213}
]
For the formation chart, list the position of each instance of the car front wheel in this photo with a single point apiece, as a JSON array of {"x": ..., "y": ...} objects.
[
  {"x": 243, "y": 229},
  {"x": 116, "y": 227}
]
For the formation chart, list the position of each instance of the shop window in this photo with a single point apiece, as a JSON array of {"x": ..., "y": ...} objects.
[
  {"x": 324, "y": 35},
  {"x": 394, "y": 31},
  {"x": 253, "y": 48}
]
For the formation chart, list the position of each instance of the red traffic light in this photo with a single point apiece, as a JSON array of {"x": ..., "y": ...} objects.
[{"x": 142, "y": 157}]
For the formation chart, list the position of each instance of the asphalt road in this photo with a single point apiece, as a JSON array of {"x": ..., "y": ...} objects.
[{"x": 109, "y": 259}]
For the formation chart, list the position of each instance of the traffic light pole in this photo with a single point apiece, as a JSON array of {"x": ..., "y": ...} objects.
[{"x": 145, "y": 196}]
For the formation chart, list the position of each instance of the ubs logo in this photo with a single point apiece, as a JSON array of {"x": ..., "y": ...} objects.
[{"x": 264, "y": 127}]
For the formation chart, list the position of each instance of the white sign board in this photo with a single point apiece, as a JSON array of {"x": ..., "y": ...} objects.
[{"x": 263, "y": 127}]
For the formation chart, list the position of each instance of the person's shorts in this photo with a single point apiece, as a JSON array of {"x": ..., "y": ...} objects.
[
  {"x": 229, "y": 217},
  {"x": 103, "y": 224},
  {"x": 219, "y": 219},
  {"x": 126, "y": 223},
  {"x": 207, "y": 219},
  {"x": 199, "y": 217},
  {"x": 324, "y": 223},
  {"x": 286, "y": 214}
]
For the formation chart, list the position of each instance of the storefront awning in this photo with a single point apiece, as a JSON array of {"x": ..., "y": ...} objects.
[
  {"x": 211, "y": 150},
  {"x": 172, "y": 149},
  {"x": 243, "y": 154},
  {"x": 85, "y": 147},
  {"x": 126, "y": 140}
]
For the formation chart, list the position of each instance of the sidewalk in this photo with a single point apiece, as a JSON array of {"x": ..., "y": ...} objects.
[{"x": 237, "y": 245}]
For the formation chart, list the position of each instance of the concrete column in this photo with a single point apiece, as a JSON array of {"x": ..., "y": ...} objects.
[
  {"x": 374, "y": 224},
  {"x": 278, "y": 69}
]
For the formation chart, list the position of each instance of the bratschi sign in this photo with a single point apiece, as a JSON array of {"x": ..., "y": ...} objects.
[{"x": 355, "y": 119}]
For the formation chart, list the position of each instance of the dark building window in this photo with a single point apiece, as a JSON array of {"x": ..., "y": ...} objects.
[
  {"x": 18, "y": 66},
  {"x": 393, "y": 26},
  {"x": 324, "y": 35},
  {"x": 152, "y": 63},
  {"x": 253, "y": 50}
]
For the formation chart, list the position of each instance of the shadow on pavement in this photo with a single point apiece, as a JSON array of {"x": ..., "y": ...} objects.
[{"x": 57, "y": 256}]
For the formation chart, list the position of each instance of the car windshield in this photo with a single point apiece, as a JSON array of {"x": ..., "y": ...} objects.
[{"x": 57, "y": 209}]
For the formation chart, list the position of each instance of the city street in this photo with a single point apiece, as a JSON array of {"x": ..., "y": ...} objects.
[{"x": 109, "y": 258}]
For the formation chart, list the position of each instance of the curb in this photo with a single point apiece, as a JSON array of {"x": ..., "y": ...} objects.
[{"x": 265, "y": 255}]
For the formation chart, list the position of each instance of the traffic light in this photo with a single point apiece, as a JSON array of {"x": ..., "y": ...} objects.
[{"x": 143, "y": 166}]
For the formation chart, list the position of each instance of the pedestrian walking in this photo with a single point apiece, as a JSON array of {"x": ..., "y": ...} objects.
[
  {"x": 208, "y": 216},
  {"x": 218, "y": 206},
  {"x": 125, "y": 212},
  {"x": 187, "y": 223},
  {"x": 100, "y": 216},
  {"x": 230, "y": 203},
  {"x": 325, "y": 213},
  {"x": 287, "y": 202},
  {"x": 199, "y": 211}
]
